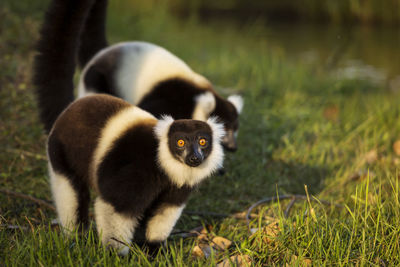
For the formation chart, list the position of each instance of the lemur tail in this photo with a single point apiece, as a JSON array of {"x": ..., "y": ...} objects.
[
  {"x": 93, "y": 37},
  {"x": 58, "y": 45}
]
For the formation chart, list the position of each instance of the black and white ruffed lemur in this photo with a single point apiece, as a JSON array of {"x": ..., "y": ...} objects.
[
  {"x": 142, "y": 168},
  {"x": 141, "y": 73},
  {"x": 155, "y": 80}
]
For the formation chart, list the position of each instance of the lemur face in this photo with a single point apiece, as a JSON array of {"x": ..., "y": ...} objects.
[{"x": 190, "y": 141}]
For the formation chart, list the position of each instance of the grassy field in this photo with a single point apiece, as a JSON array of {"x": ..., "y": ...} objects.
[{"x": 300, "y": 126}]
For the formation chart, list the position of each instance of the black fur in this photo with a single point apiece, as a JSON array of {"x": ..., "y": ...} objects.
[
  {"x": 176, "y": 97},
  {"x": 226, "y": 112},
  {"x": 74, "y": 139},
  {"x": 101, "y": 76},
  {"x": 121, "y": 173},
  {"x": 228, "y": 115},
  {"x": 54, "y": 65},
  {"x": 93, "y": 37},
  {"x": 128, "y": 176}
]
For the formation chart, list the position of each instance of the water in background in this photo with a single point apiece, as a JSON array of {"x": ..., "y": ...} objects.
[{"x": 354, "y": 52}]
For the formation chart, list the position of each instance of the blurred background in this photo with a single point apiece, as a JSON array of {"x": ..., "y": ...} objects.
[{"x": 355, "y": 38}]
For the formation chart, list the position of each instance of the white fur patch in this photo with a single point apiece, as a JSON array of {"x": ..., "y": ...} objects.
[
  {"x": 217, "y": 129},
  {"x": 237, "y": 102},
  {"x": 162, "y": 127},
  {"x": 114, "y": 128},
  {"x": 180, "y": 173},
  {"x": 142, "y": 66},
  {"x": 65, "y": 198},
  {"x": 205, "y": 104},
  {"x": 161, "y": 224},
  {"x": 142, "y": 69},
  {"x": 116, "y": 229}
]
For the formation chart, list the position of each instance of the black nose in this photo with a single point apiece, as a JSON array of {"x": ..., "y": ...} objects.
[{"x": 193, "y": 161}]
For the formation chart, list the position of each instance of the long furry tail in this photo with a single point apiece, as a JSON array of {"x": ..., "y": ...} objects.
[
  {"x": 54, "y": 65},
  {"x": 93, "y": 37}
]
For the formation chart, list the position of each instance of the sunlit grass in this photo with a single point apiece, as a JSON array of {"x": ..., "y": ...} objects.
[{"x": 300, "y": 125}]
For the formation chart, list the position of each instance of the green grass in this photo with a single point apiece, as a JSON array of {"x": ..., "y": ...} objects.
[
  {"x": 337, "y": 12},
  {"x": 300, "y": 126}
]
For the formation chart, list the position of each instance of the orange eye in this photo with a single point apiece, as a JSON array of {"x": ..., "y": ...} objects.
[
  {"x": 180, "y": 143},
  {"x": 202, "y": 142}
]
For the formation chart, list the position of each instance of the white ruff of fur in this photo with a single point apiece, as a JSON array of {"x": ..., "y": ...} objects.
[
  {"x": 205, "y": 104},
  {"x": 161, "y": 224},
  {"x": 180, "y": 173},
  {"x": 237, "y": 102},
  {"x": 112, "y": 225},
  {"x": 115, "y": 127},
  {"x": 65, "y": 198}
]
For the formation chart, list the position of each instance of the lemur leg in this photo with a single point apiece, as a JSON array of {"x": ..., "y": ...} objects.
[
  {"x": 162, "y": 222},
  {"x": 166, "y": 213},
  {"x": 116, "y": 229},
  {"x": 71, "y": 200}
]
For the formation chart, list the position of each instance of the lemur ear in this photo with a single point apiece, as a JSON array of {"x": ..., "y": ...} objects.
[
  {"x": 162, "y": 127},
  {"x": 205, "y": 104},
  {"x": 237, "y": 102},
  {"x": 217, "y": 128}
]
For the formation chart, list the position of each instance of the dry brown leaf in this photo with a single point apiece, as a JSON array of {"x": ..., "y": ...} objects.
[
  {"x": 206, "y": 246},
  {"x": 207, "y": 229},
  {"x": 202, "y": 237},
  {"x": 396, "y": 147},
  {"x": 242, "y": 215},
  {"x": 268, "y": 232},
  {"x": 271, "y": 229},
  {"x": 197, "y": 252},
  {"x": 202, "y": 251},
  {"x": 236, "y": 260},
  {"x": 201, "y": 232},
  {"x": 221, "y": 243},
  {"x": 371, "y": 156}
]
